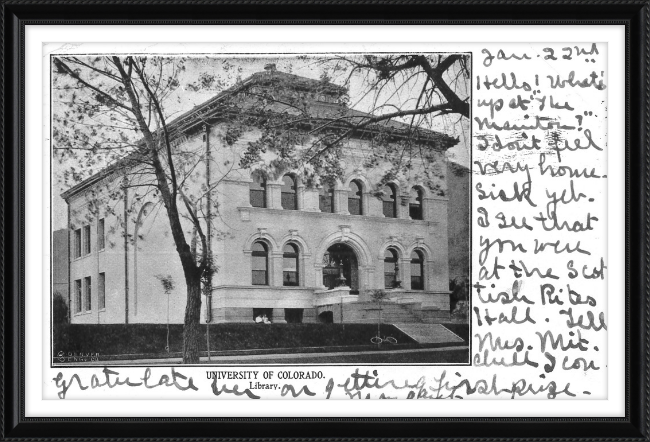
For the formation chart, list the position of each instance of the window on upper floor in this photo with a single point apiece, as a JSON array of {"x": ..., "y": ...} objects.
[
  {"x": 77, "y": 296},
  {"x": 417, "y": 270},
  {"x": 101, "y": 291},
  {"x": 326, "y": 198},
  {"x": 77, "y": 243},
  {"x": 415, "y": 203},
  {"x": 290, "y": 263},
  {"x": 88, "y": 294},
  {"x": 355, "y": 198},
  {"x": 390, "y": 268},
  {"x": 86, "y": 238},
  {"x": 389, "y": 201},
  {"x": 101, "y": 240},
  {"x": 260, "y": 263},
  {"x": 258, "y": 192},
  {"x": 288, "y": 193}
]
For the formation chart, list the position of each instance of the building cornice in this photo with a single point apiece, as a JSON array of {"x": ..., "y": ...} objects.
[
  {"x": 210, "y": 112},
  {"x": 339, "y": 216}
]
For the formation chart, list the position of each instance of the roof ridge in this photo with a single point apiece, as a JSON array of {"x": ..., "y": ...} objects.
[{"x": 173, "y": 125}]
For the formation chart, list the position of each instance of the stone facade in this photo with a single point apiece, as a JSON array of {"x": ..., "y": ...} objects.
[
  {"x": 117, "y": 281},
  {"x": 458, "y": 185}
]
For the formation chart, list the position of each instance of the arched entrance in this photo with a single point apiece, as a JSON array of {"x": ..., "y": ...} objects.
[{"x": 338, "y": 259}]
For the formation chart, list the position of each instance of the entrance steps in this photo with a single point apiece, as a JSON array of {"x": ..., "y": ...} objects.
[
  {"x": 428, "y": 333},
  {"x": 368, "y": 312}
]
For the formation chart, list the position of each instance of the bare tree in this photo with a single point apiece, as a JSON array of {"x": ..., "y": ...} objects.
[
  {"x": 403, "y": 98},
  {"x": 115, "y": 114},
  {"x": 111, "y": 116}
]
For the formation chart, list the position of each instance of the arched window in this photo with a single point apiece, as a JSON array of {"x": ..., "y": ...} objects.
[
  {"x": 258, "y": 192},
  {"x": 290, "y": 255},
  {"x": 389, "y": 200},
  {"x": 390, "y": 268},
  {"x": 289, "y": 194},
  {"x": 415, "y": 204},
  {"x": 260, "y": 264},
  {"x": 355, "y": 198},
  {"x": 417, "y": 270},
  {"x": 326, "y": 198}
]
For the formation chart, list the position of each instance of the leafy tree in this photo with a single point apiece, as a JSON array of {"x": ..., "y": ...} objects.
[
  {"x": 379, "y": 297},
  {"x": 59, "y": 321},
  {"x": 404, "y": 98},
  {"x": 111, "y": 113},
  {"x": 116, "y": 114},
  {"x": 459, "y": 296},
  {"x": 167, "y": 283}
]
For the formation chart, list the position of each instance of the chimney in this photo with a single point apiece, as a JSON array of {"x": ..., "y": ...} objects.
[{"x": 270, "y": 68}]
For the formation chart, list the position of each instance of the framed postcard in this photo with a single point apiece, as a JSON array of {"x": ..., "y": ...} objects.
[{"x": 247, "y": 214}]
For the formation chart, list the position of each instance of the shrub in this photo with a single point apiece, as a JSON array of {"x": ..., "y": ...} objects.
[
  {"x": 459, "y": 290},
  {"x": 60, "y": 322},
  {"x": 123, "y": 339}
]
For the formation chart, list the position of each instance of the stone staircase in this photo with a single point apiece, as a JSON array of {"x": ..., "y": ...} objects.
[{"x": 391, "y": 312}]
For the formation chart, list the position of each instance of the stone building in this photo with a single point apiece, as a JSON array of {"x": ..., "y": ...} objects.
[
  {"x": 458, "y": 185},
  {"x": 285, "y": 248}
]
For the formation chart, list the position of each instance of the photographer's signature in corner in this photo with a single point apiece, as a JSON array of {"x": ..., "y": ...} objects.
[{"x": 64, "y": 357}]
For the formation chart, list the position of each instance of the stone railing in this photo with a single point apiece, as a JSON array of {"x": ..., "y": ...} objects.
[
  {"x": 427, "y": 299},
  {"x": 338, "y": 295}
]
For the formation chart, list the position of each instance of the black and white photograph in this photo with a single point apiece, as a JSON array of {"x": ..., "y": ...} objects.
[
  {"x": 261, "y": 208},
  {"x": 245, "y": 224},
  {"x": 221, "y": 216}
]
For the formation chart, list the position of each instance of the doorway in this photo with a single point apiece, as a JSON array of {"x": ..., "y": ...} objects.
[{"x": 341, "y": 259}]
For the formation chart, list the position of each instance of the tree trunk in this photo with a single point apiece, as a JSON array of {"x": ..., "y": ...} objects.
[{"x": 192, "y": 329}]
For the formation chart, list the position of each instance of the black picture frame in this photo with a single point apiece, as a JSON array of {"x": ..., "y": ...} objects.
[{"x": 633, "y": 14}]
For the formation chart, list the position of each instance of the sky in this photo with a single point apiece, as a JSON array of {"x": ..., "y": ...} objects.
[{"x": 227, "y": 71}]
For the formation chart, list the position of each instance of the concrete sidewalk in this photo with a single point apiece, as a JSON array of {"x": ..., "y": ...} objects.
[
  {"x": 428, "y": 333},
  {"x": 260, "y": 359}
]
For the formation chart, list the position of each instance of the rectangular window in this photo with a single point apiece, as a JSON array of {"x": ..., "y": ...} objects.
[
  {"x": 86, "y": 238},
  {"x": 389, "y": 275},
  {"x": 77, "y": 296},
  {"x": 293, "y": 315},
  {"x": 389, "y": 209},
  {"x": 415, "y": 211},
  {"x": 354, "y": 206},
  {"x": 290, "y": 278},
  {"x": 259, "y": 270},
  {"x": 417, "y": 280},
  {"x": 288, "y": 200},
  {"x": 290, "y": 271},
  {"x": 88, "y": 294},
  {"x": 77, "y": 243},
  {"x": 258, "y": 192},
  {"x": 326, "y": 198},
  {"x": 101, "y": 242},
  {"x": 325, "y": 203},
  {"x": 258, "y": 198},
  {"x": 101, "y": 291}
]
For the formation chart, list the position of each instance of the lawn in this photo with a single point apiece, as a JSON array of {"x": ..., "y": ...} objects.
[{"x": 151, "y": 339}]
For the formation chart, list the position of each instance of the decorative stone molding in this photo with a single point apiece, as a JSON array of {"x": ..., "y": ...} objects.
[
  {"x": 338, "y": 295},
  {"x": 345, "y": 232}
]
